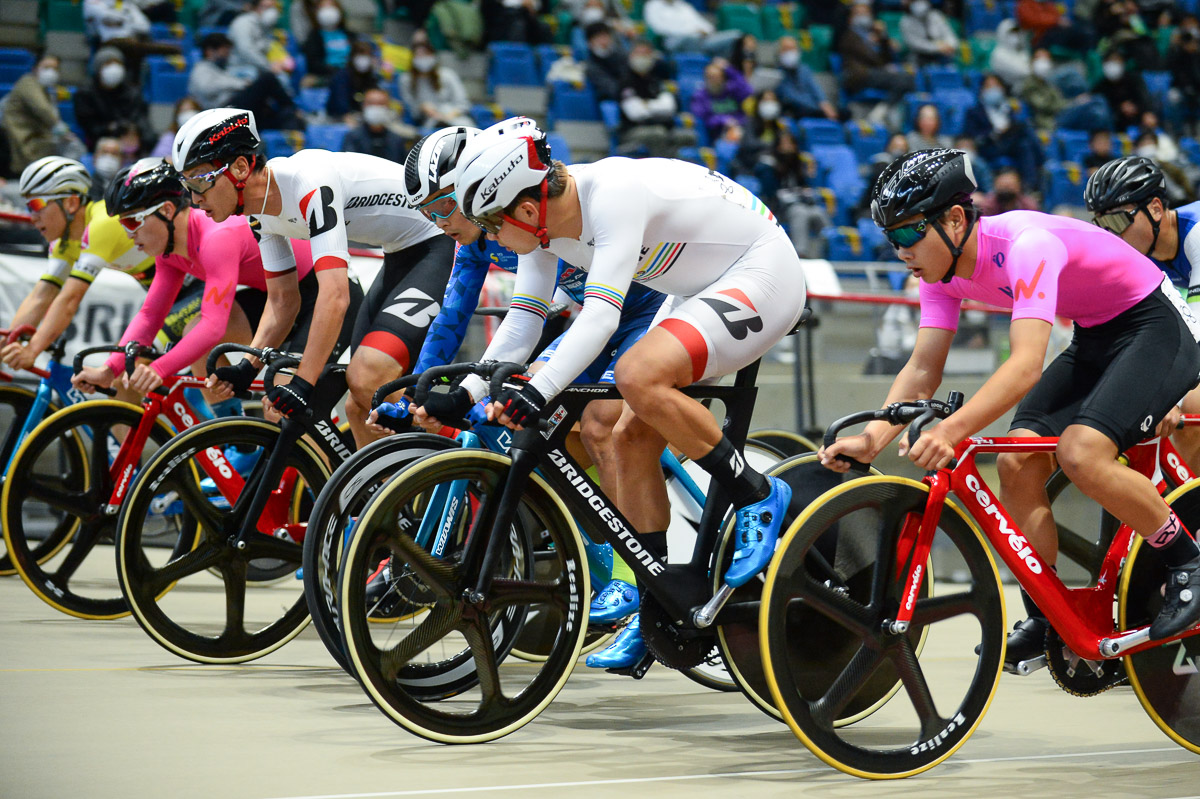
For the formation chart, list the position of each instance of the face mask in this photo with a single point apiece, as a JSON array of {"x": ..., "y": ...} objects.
[
  {"x": 106, "y": 164},
  {"x": 183, "y": 116},
  {"x": 993, "y": 97},
  {"x": 1114, "y": 70},
  {"x": 1005, "y": 197},
  {"x": 1042, "y": 67},
  {"x": 862, "y": 24},
  {"x": 1148, "y": 151},
  {"x": 270, "y": 16},
  {"x": 591, "y": 14},
  {"x": 362, "y": 63},
  {"x": 641, "y": 64},
  {"x": 48, "y": 77},
  {"x": 424, "y": 63},
  {"x": 788, "y": 59},
  {"x": 328, "y": 16},
  {"x": 376, "y": 114},
  {"x": 919, "y": 8},
  {"x": 602, "y": 52},
  {"x": 769, "y": 109},
  {"x": 111, "y": 75}
]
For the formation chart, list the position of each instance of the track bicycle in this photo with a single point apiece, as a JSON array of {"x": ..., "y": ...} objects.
[{"x": 879, "y": 530}]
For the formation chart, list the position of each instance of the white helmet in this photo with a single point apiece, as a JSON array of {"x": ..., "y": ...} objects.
[
  {"x": 430, "y": 164},
  {"x": 218, "y": 134},
  {"x": 498, "y": 164},
  {"x": 54, "y": 176}
]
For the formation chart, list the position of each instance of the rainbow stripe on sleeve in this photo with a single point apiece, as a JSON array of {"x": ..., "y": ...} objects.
[
  {"x": 660, "y": 259},
  {"x": 606, "y": 293},
  {"x": 530, "y": 304}
]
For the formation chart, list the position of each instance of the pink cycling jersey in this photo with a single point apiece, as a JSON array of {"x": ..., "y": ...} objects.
[
  {"x": 1044, "y": 266},
  {"x": 222, "y": 255}
]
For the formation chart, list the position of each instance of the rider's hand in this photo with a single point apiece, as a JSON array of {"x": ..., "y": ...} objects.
[
  {"x": 450, "y": 407},
  {"x": 933, "y": 449},
  {"x": 859, "y": 447},
  {"x": 1170, "y": 422},
  {"x": 517, "y": 404},
  {"x": 143, "y": 380},
  {"x": 18, "y": 356},
  {"x": 228, "y": 381},
  {"x": 390, "y": 418},
  {"x": 91, "y": 378},
  {"x": 291, "y": 399},
  {"x": 423, "y": 420}
]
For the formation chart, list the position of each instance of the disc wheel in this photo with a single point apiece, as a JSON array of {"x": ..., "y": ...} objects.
[
  {"x": 61, "y": 475},
  {"x": 1165, "y": 679},
  {"x": 831, "y": 592},
  {"x": 455, "y": 630},
  {"x": 15, "y": 405},
  {"x": 221, "y": 618},
  {"x": 341, "y": 501}
]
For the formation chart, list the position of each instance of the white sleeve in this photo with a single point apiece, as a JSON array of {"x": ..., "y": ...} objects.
[
  {"x": 276, "y": 251},
  {"x": 1191, "y": 251}
]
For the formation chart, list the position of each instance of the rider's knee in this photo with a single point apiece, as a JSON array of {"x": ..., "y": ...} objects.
[
  {"x": 631, "y": 432},
  {"x": 596, "y": 427}
]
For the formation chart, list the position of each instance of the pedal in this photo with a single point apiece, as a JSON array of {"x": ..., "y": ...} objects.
[
  {"x": 638, "y": 670},
  {"x": 1026, "y": 667}
]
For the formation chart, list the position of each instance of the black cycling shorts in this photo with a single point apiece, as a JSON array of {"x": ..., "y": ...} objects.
[
  {"x": 404, "y": 299},
  {"x": 1120, "y": 377},
  {"x": 185, "y": 308},
  {"x": 253, "y": 301}
]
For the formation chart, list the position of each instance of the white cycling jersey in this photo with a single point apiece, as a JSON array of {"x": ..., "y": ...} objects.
[
  {"x": 333, "y": 199},
  {"x": 676, "y": 227}
]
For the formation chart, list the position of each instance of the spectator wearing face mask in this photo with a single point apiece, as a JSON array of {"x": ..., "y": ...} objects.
[
  {"x": 868, "y": 58},
  {"x": 252, "y": 35},
  {"x": 1007, "y": 194},
  {"x": 1121, "y": 27},
  {"x": 111, "y": 98},
  {"x": 114, "y": 150},
  {"x": 648, "y": 109},
  {"x": 1126, "y": 92},
  {"x": 997, "y": 125},
  {"x": 215, "y": 85},
  {"x": 31, "y": 120},
  {"x": 327, "y": 48},
  {"x": 719, "y": 101},
  {"x": 606, "y": 64},
  {"x": 766, "y": 120},
  {"x": 350, "y": 84},
  {"x": 378, "y": 135},
  {"x": 433, "y": 94},
  {"x": 589, "y": 12},
  {"x": 1040, "y": 94},
  {"x": 1179, "y": 187},
  {"x": 927, "y": 33},
  {"x": 185, "y": 109},
  {"x": 1011, "y": 60},
  {"x": 798, "y": 90},
  {"x": 683, "y": 29}
]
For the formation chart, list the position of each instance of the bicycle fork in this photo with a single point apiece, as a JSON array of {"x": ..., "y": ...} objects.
[{"x": 912, "y": 551}]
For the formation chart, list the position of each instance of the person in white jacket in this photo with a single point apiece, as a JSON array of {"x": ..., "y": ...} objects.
[{"x": 684, "y": 29}]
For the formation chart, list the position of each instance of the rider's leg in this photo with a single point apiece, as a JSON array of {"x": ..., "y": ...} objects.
[
  {"x": 369, "y": 369},
  {"x": 1023, "y": 477},
  {"x": 1187, "y": 439},
  {"x": 596, "y": 435}
]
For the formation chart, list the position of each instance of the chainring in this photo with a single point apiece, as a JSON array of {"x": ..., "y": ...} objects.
[
  {"x": 1077, "y": 676},
  {"x": 665, "y": 640}
]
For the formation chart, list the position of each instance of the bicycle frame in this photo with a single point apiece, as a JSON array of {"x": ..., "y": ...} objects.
[{"x": 55, "y": 379}]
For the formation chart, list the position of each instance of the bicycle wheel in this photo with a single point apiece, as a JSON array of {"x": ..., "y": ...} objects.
[
  {"x": 15, "y": 404},
  {"x": 833, "y": 586},
  {"x": 349, "y": 489},
  {"x": 218, "y": 618},
  {"x": 61, "y": 474},
  {"x": 713, "y": 673},
  {"x": 448, "y": 631},
  {"x": 788, "y": 443},
  {"x": 1165, "y": 679}
]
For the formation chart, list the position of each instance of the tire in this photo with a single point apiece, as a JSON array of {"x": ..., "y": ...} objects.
[
  {"x": 79, "y": 488},
  {"x": 1165, "y": 679},
  {"x": 15, "y": 404},
  {"x": 349, "y": 489},
  {"x": 788, "y": 443},
  {"x": 834, "y": 584},
  {"x": 445, "y": 630},
  {"x": 221, "y": 619},
  {"x": 713, "y": 674}
]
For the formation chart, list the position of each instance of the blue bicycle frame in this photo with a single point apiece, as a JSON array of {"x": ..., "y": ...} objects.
[{"x": 57, "y": 381}]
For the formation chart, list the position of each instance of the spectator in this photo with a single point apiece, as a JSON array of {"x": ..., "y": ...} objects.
[
  {"x": 605, "y": 67},
  {"x": 1052, "y": 26},
  {"x": 185, "y": 109},
  {"x": 784, "y": 179},
  {"x": 719, "y": 100},
  {"x": 1007, "y": 194},
  {"x": 1120, "y": 25},
  {"x": 996, "y": 125},
  {"x": 927, "y": 134},
  {"x": 897, "y": 145},
  {"x": 1100, "y": 151},
  {"x": 798, "y": 89},
  {"x": 1179, "y": 187},
  {"x": 737, "y": 151},
  {"x": 31, "y": 121},
  {"x": 1010, "y": 58},
  {"x": 684, "y": 29},
  {"x": 219, "y": 13},
  {"x": 1183, "y": 60},
  {"x": 868, "y": 59},
  {"x": 648, "y": 109},
  {"x": 378, "y": 134},
  {"x": 765, "y": 122},
  {"x": 514, "y": 21},
  {"x": 1040, "y": 94},
  {"x": 612, "y": 12},
  {"x": 111, "y": 154},
  {"x": 110, "y": 98},
  {"x": 327, "y": 48},
  {"x": 214, "y": 85},
  {"x": 350, "y": 84},
  {"x": 1125, "y": 91},
  {"x": 745, "y": 55},
  {"x": 983, "y": 170},
  {"x": 107, "y": 20},
  {"x": 433, "y": 94},
  {"x": 927, "y": 33},
  {"x": 251, "y": 34}
]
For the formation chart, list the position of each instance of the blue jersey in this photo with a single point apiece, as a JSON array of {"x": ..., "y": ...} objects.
[
  {"x": 471, "y": 265},
  {"x": 1182, "y": 269}
]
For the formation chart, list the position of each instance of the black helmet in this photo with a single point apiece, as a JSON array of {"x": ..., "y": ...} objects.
[
  {"x": 144, "y": 184},
  {"x": 924, "y": 182},
  {"x": 218, "y": 134},
  {"x": 1125, "y": 181}
]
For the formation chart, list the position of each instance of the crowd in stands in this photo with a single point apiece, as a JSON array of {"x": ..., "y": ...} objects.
[{"x": 803, "y": 102}]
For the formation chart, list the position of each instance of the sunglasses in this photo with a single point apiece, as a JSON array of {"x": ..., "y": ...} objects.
[
  {"x": 35, "y": 204},
  {"x": 907, "y": 235},
  {"x": 134, "y": 222},
  {"x": 440, "y": 207},
  {"x": 489, "y": 224},
  {"x": 1116, "y": 221},
  {"x": 199, "y": 184}
]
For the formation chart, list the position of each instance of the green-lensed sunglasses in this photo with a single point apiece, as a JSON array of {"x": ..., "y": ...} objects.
[{"x": 907, "y": 235}]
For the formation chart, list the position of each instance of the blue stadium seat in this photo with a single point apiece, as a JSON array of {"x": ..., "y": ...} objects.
[
  {"x": 690, "y": 64},
  {"x": 983, "y": 16},
  {"x": 17, "y": 56},
  {"x": 1159, "y": 83},
  {"x": 953, "y": 105},
  {"x": 1064, "y": 185},
  {"x": 1191, "y": 148},
  {"x": 573, "y": 104},
  {"x": 1069, "y": 145},
  {"x": 312, "y": 99},
  {"x": 610, "y": 115},
  {"x": 866, "y": 139},
  {"x": 278, "y": 143},
  {"x": 837, "y": 169},
  {"x": 11, "y": 73},
  {"x": 165, "y": 81},
  {"x": 486, "y": 115},
  {"x": 876, "y": 246},
  {"x": 512, "y": 64},
  {"x": 751, "y": 184},
  {"x": 559, "y": 149},
  {"x": 691, "y": 154},
  {"x": 844, "y": 244},
  {"x": 326, "y": 137},
  {"x": 687, "y": 86},
  {"x": 547, "y": 54},
  {"x": 935, "y": 77},
  {"x": 166, "y": 33},
  {"x": 816, "y": 132},
  {"x": 5, "y": 88}
]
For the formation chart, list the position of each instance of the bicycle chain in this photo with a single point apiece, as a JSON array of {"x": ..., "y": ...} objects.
[
  {"x": 1080, "y": 677},
  {"x": 664, "y": 640}
]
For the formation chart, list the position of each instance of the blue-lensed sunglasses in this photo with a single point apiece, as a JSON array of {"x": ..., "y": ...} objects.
[{"x": 907, "y": 235}]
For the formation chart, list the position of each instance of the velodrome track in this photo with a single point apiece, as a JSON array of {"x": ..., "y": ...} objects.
[{"x": 96, "y": 710}]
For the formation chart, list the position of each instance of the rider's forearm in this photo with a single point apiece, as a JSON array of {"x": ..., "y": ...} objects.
[
  {"x": 328, "y": 316},
  {"x": 279, "y": 313},
  {"x": 913, "y": 382},
  {"x": 57, "y": 319},
  {"x": 34, "y": 306},
  {"x": 1000, "y": 393}
]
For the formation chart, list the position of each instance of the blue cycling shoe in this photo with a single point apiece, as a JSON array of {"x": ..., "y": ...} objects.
[
  {"x": 757, "y": 531},
  {"x": 624, "y": 652},
  {"x": 618, "y": 600}
]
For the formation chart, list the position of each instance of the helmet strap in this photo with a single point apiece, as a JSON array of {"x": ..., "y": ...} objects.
[
  {"x": 70, "y": 217},
  {"x": 170, "y": 223},
  {"x": 1155, "y": 224},
  {"x": 955, "y": 250},
  {"x": 540, "y": 231},
  {"x": 240, "y": 185}
]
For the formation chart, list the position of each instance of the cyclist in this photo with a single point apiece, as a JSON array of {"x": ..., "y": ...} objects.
[
  {"x": 734, "y": 287},
  {"x": 329, "y": 199},
  {"x": 1128, "y": 196},
  {"x": 429, "y": 182},
  {"x": 153, "y": 208},
  {"x": 1133, "y": 356},
  {"x": 83, "y": 239}
]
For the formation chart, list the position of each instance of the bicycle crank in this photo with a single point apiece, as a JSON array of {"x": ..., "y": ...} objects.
[
  {"x": 672, "y": 645},
  {"x": 1080, "y": 677}
]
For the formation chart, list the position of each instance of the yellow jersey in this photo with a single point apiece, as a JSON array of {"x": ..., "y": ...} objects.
[{"x": 104, "y": 244}]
